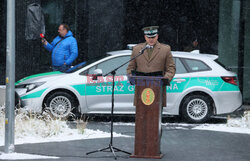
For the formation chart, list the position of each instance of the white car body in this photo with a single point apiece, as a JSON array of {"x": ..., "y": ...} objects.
[{"x": 95, "y": 96}]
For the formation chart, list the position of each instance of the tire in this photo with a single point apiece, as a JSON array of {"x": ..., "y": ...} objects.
[
  {"x": 60, "y": 104},
  {"x": 196, "y": 108}
]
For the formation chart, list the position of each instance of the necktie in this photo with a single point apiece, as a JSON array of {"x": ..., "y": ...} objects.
[{"x": 150, "y": 51}]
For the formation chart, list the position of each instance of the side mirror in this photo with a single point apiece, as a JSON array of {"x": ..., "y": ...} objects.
[{"x": 96, "y": 73}]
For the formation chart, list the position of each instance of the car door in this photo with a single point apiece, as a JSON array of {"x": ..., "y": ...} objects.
[
  {"x": 98, "y": 94},
  {"x": 177, "y": 85}
]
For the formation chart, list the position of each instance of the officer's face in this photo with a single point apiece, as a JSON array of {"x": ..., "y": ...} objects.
[
  {"x": 151, "y": 40},
  {"x": 62, "y": 31}
]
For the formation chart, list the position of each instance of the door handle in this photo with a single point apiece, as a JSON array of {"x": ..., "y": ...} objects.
[{"x": 179, "y": 80}]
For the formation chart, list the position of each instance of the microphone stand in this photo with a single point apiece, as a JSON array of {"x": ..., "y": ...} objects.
[{"x": 110, "y": 146}]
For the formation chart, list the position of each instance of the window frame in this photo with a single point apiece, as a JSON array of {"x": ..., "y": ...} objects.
[
  {"x": 183, "y": 60},
  {"x": 96, "y": 65},
  {"x": 180, "y": 59}
]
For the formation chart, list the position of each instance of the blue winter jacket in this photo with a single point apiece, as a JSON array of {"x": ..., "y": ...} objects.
[{"x": 65, "y": 51}]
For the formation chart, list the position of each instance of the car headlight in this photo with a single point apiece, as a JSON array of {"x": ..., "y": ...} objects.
[{"x": 30, "y": 86}]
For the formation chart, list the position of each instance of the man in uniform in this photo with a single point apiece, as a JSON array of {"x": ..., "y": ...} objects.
[{"x": 156, "y": 58}]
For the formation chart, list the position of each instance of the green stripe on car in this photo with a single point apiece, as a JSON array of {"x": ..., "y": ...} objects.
[
  {"x": 123, "y": 87},
  {"x": 35, "y": 94},
  {"x": 213, "y": 83}
]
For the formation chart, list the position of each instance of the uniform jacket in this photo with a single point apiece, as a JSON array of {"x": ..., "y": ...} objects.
[
  {"x": 65, "y": 51},
  {"x": 161, "y": 60}
]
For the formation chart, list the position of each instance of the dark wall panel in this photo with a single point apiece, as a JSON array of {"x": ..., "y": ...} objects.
[
  {"x": 82, "y": 29},
  {"x": 105, "y": 26},
  {"x": 2, "y": 41},
  {"x": 29, "y": 58},
  {"x": 101, "y": 26},
  {"x": 180, "y": 22}
]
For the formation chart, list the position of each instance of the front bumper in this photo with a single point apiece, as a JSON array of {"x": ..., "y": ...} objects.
[{"x": 32, "y": 104}]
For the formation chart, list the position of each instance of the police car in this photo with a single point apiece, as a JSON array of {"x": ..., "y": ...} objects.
[{"x": 200, "y": 89}]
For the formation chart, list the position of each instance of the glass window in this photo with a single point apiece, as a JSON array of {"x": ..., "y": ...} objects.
[
  {"x": 53, "y": 17},
  {"x": 111, "y": 64},
  {"x": 196, "y": 65},
  {"x": 180, "y": 69}
]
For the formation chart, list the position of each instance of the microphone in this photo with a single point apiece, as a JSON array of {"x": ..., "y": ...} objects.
[
  {"x": 41, "y": 36},
  {"x": 146, "y": 47},
  {"x": 140, "y": 52},
  {"x": 43, "y": 39}
]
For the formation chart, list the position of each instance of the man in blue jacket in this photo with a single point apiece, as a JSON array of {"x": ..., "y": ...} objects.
[{"x": 64, "y": 49}]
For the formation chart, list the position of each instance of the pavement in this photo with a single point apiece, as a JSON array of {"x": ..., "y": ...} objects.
[{"x": 179, "y": 143}]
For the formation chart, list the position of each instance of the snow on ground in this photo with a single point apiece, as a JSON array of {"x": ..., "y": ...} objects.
[
  {"x": 124, "y": 124},
  {"x": 234, "y": 125},
  {"x": 15, "y": 156},
  {"x": 31, "y": 128},
  {"x": 223, "y": 128},
  {"x": 65, "y": 135}
]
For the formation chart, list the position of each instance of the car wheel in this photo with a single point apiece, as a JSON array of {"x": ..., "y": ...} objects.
[
  {"x": 196, "y": 108},
  {"x": 60, "y": 104}
]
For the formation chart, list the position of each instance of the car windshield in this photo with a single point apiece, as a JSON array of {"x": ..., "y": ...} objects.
[{"x": 85, "y": 63}]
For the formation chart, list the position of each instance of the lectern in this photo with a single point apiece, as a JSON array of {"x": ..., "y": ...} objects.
[{"x": 149, "y": 90}]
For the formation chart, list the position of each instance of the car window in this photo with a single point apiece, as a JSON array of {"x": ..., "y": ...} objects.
[
  {"x": 196, "y": 65},
  {"x": 111, "y": 64},
  {"x": 180, "y": 69}
]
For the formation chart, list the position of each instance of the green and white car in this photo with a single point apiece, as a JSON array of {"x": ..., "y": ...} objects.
[{"x": 201, "y": 88}]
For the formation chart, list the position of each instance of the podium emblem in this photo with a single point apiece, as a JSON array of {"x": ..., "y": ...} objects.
[{"x": 148, "y": 96}]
